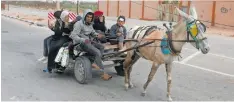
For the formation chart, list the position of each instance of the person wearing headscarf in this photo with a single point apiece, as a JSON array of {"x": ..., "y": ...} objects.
[
  {"x": 99, "y": 21},
  {"x": 61, "y": 36},
  {"x": 99, "y": 24},
  {"x": 47, "y": 40}
]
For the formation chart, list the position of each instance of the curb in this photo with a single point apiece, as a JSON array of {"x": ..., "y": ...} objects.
[{"x": 31, "y": 22}]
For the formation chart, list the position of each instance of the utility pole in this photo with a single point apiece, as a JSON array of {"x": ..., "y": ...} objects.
[
  {"x": 77, "y": 6},
  {"x": 58, "y": 5},
  {"x": 8, "y": 5}
]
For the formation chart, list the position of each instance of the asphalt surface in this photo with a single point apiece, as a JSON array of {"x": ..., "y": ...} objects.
[{"x": 199, "y": 78}]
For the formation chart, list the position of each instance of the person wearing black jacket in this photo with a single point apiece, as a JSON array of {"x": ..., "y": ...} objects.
[
  {"x": 99, "y": 24},
  {"x": 61, "y": 36},
  {"x": 48, "y": 39}
]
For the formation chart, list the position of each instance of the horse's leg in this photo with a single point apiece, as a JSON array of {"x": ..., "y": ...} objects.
[
  {"x": 127, "y": 65},
  {"x": 168, "y": 70},
  {"x": 154, "y": 69},
  {"x": 136, "y": 57}
]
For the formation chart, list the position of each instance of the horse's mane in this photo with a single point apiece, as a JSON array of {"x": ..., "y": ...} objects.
[{"x": 179, "y": 27}]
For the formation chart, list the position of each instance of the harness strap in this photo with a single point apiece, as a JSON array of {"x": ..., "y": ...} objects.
[
  {"x": 148, "y": 29},
  {"x": 171, "y": 47},
  {"x": 135, "y": 32}
]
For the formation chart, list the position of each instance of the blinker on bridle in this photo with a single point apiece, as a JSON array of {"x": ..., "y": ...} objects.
[{"x": 192, "y": 29}]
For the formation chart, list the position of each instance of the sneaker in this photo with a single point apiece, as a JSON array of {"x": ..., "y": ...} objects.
[
  {"x": 106, "y": 76},
  {"x": 43, "y": 58},
  {"x": 46, "y": 60}
]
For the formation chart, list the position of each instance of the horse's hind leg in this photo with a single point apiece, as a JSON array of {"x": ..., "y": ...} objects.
[
  {"x": 150, "y": 77},
  {"x": 135, "y": 58},
  {"x": 127, "y": 65},
  {"x": 168, "y": 70}
]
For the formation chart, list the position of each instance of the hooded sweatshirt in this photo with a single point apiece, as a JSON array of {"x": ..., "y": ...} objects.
[{"x": 82, "y": 30}]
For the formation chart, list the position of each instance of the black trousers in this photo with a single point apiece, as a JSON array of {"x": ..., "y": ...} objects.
[
  {"x": 55, "y": 45},
  {"x": 46, "y": 45}
]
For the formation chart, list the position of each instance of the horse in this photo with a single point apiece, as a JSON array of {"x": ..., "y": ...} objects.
[{"x": 165, "y": 46}]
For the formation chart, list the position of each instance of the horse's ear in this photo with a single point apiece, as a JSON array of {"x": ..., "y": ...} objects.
[
  {"x": 183, "y": 14},
  {"x": 193, "y": 12}
]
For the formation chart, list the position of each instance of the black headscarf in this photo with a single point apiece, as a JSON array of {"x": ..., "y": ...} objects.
[{"x": 99, "y": 25}]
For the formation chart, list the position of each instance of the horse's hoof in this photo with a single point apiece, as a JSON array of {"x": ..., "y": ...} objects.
[
  {"x": 131, "y": 86},
  {"x": 169, "y": 99},
  {"x": 126, "y": 87},
  {"x": 143, "y": 94}
]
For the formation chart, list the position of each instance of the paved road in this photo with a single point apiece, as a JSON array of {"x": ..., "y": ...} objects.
[{"x": 199, "y": 78}]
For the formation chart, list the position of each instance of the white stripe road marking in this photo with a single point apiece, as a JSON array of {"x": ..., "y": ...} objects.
[
  {"x": 221, "y": 56},
  {"x": 190, "y": 57},
  {"x": 212, "y": 54},
  {"x": 206, "y": 69}
]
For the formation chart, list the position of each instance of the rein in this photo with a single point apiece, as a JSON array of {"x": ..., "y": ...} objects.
[
  {"x": 169, "y": 40},
  {"x": 164, "y": 40}
]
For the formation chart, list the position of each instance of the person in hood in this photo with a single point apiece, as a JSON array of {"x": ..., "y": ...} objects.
[
  {"x": 83, "y": 34},
  {"x": 78, "y": 18}
]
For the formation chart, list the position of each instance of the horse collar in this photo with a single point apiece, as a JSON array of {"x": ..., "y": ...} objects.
[{"x": 172, "y": 48}]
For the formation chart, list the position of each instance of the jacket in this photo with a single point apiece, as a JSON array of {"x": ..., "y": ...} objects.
[
  {"x": 99, "y": 25},
  {"x": 115, "y": 29},
  {"x": 82, "y": 31}
]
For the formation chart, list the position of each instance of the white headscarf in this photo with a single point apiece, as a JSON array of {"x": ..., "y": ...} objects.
[{"x": 63, "y": 15}]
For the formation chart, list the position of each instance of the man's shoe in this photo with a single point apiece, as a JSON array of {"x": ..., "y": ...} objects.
[{"x": 106, "y": 76}]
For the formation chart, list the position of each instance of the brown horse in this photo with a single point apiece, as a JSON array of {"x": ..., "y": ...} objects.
[{"x": 189, "y": 29}]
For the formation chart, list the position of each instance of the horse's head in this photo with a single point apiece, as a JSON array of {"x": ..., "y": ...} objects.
[{"x": 195, "y": 30}]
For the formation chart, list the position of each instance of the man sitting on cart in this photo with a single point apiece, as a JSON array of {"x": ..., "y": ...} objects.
[
  {"x": 82, "y": 34},
  {"x": 119, "y": 31}
]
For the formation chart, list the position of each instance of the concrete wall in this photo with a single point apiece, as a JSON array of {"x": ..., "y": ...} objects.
[
  {"x": 150, "y": 11},
  {"x": 224, "y": 13},
  {"x": 103, "y": 6},
  {"x": 224, "y": 10},
  {"x": 204, "y": 10},
  {"x": 136, "y": 9},
  {"x": 124, "y": 8},
  {"x": 113, "y": 8}
]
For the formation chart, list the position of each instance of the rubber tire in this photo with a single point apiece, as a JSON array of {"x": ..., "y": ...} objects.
[{"x": 87, "y": 69}]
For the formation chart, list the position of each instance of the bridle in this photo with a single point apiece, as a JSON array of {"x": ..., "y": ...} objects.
[{"x": 191, "y": 31}]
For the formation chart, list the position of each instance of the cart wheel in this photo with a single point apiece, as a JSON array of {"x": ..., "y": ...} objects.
[
  {"x": 119, "y": 69},
  {"x": 82, "y": 69}
]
